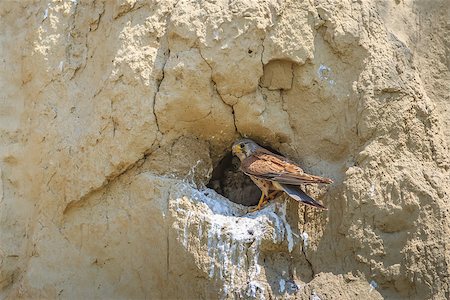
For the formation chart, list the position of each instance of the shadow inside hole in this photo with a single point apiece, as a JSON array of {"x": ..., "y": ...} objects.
[{"x": 232, "y": 183}]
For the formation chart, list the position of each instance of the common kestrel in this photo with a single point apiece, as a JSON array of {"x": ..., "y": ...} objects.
[{"x": 273, "y": 173}]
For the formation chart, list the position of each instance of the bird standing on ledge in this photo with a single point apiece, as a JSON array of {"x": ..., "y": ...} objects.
[{"x": 273, "y": 173}]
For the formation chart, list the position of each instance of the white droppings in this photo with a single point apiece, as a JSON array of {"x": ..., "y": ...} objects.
[
  {"x": 225, "y": 46},
  {"x": 324, "y": 73},
  {"x": 255, "y": 268},
  {"x": 61, "y": 66},
  {"x": 212, "y": 242},
  {"x": 253, "y": 288},
  {"x": 200, "y": 230},
  {"x": 282, "y": 284},
  {"x": 373, "y": 285},
  {"x": 190, "y": 177},
  {"x": 278, "y": 234},
  {"x": 233, "y": 236},
  {"x": 209, "y": 199},
  {"x": 177, "y": 205},
  {"x": 292, "y": 287},
  {"x": 314, "y": 296},
  {"x": 233, "y": 250},
  {"x": 289, "y": 237},
  {"x": 186, "y": 229},
  {"x": 372, "y": 191},
  {"x": 241, "y": 257},
  {"x": 220, "y": 251},
  {"x": 216, "y": 35},
  {"x": 45, "y": 14},
  {"x": 305, "y": 238}
]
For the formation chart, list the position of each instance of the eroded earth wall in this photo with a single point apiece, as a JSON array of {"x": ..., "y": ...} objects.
[{"x": 113, "y": 115}]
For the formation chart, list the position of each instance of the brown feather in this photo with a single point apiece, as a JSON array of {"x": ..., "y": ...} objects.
[{"x": 267, "y": 165}]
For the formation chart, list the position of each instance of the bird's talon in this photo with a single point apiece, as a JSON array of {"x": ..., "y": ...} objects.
[
  {"x": 251, "y": 210},
  {"x": 260, "y": 205}
]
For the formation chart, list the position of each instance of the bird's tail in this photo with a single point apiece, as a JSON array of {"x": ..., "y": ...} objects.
[{"x": 298, "y": 194}]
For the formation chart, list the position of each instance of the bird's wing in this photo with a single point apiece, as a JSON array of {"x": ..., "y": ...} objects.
[
  {"x": 269, "y": 166},
  {"x": 298, "y": 194}
]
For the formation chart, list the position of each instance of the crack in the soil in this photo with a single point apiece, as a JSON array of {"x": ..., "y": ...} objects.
[{"x": 218, "y": 93}]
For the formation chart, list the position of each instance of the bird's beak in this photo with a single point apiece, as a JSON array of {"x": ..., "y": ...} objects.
[{"x": 236, "y": 149}]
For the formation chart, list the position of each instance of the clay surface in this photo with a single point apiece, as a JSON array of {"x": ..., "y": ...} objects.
[{"x": 114, "y": 116}]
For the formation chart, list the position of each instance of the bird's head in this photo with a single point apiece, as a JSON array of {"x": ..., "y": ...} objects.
[{"x": 244, "y": 148}]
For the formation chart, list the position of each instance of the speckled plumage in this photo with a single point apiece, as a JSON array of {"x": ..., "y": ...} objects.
[{"x": 272, "y": 172}]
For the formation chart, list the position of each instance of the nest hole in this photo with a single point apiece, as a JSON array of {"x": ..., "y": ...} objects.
[{"x": 232, "y": 183}]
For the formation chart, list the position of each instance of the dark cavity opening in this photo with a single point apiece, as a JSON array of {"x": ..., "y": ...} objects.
[{"x": 232, "y": 183}]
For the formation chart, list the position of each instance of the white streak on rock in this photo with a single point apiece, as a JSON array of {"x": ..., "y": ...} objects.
[
  {"x": 200, "y": 231},
  {"x": 45, "y": 14},
  {"x": 278, "y": 235},
  {"x": 216, "y": 35},
  {"x": 324, "y": 73},
  {"x": 233, "y": 236},
  {"x": 289, "y": 236},
  {"x": 186, "y": 230},
  {"x": 61, "y": 66},
  {"x": 373, "y": 285},
  {"x": 212, "y": 242},
  {"x": 305, "y": 238},
  {"x": 314, "y": 296},
  {"x": 282, "y": 285},
  {"x": 372, "y": 191},
  {"x": 253, "y": 288}
]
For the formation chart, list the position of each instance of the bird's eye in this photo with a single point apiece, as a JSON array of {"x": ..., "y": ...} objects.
[{"x": 241, "y": 145}]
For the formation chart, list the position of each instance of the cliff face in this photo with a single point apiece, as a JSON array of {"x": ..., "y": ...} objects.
[{"x": 115, "y": 114}]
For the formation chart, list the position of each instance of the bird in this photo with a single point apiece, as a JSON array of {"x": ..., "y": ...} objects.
[{"x": 274, "y": 174}]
